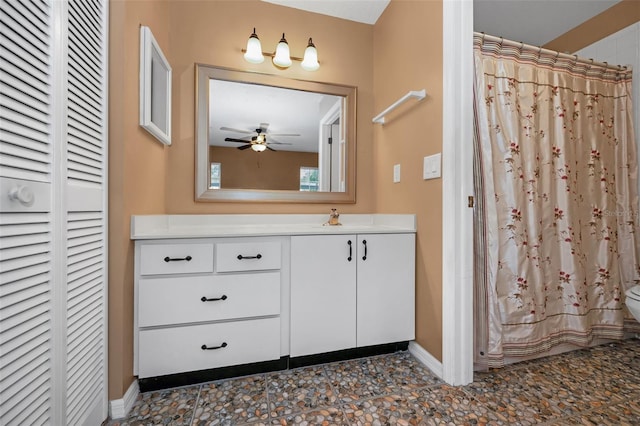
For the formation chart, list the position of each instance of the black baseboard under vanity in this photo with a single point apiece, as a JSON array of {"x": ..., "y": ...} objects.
[{"x": 194, "y": 377}]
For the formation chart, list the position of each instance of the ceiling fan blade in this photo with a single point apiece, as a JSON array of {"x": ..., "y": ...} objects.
[
  {"x": 264, "y": 127},
  {"x": 275, "y": 142},
  {"x": 231, "y": 129},
  {"x": 271, "y": 149},
  {"x": 247, "y": 146},
  {"x": 284, "y": 134},
  {"x": 236, "y": 140}
]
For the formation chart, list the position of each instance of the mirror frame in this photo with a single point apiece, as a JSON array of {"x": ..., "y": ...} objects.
[{"x": 202, "y": 169}]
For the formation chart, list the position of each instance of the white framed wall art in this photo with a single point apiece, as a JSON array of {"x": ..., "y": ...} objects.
[{"x": 155, "y": 88}]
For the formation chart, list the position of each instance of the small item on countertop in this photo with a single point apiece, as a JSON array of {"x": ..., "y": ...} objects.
[{"x": 333, "y": 218}]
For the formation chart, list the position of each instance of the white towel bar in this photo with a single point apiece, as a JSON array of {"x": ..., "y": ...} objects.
[{"x": 418, "y": 94}]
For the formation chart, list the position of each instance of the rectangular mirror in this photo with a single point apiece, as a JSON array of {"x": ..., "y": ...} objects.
[{"x": 268, "y": 138}]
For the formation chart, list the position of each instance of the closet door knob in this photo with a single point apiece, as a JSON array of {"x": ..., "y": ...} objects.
[{"x": 22, "y": 194}]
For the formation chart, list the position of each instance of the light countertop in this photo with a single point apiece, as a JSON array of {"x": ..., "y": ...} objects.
[{"x": 209, "y": 226}]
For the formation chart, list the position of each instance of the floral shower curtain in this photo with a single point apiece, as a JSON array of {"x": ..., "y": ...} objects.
[{"x": 557, "y": 174}]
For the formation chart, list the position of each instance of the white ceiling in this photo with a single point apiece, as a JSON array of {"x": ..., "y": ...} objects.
[
  {"x": 365, "y": 11},
  {"x": 535, "y": 22},
  {"x": 530, "y": 21},
  {"x": 247, "y": 107}
]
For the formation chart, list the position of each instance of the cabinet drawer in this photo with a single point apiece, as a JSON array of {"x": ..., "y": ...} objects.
[
  {"x": 179, "y": 349},
  {"x": 176, "y": 258},
  {"x": 179, "y": 300},
  {"x": 248, "y": 256}
]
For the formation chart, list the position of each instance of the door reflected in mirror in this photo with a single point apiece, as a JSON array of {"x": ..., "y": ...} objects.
[{"x": 267, "y": 138}]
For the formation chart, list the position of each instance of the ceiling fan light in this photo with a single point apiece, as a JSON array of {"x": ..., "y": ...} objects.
[
  {"x": 282, "y": 57},
  {"x": 254, "y": 49},
  {"x": 258, "y": 147},
  {"x": 310, "y": 61}
]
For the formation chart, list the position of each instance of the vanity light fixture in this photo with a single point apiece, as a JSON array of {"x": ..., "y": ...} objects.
[
  {"x": 253, "y": 53},
  {"x": 310, "y": 61},
  {"x": 282, "y": 57}
]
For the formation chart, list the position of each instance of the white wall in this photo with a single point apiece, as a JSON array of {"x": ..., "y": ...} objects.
[{"x": 621, "y": 48}]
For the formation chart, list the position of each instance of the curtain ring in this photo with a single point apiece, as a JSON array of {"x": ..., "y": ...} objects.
[
  {"x": 482, "y": 39},
  {"x": 556, "y": 58},
  {"x": 501, "y": 40}
]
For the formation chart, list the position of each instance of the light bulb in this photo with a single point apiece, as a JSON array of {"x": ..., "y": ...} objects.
[
  {"x": 310, "y": 61},
  {"x": 258, "y": 147},
  {"x": 254, "y": 49},
  {"x": 282, "y": 58}
]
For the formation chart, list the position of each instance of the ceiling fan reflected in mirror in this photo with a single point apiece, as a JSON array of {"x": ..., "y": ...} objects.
[{"x": 258, "y": 142}]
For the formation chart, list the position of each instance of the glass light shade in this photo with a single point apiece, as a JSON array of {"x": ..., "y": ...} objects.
[
  {"x": 258, "y": 147},
  {"x": 254, "y": 50},
  {"x": 310, "y": 61},
  {"x": 282, "y": 57}
]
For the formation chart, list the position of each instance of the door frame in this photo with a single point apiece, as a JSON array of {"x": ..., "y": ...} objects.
[{"x": 457, "y": 186}]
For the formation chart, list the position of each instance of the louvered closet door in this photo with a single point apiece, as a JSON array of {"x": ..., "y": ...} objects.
[
  {"x": 86, "y": 215},
  {"x": 26, "y": 305},
  {"x": 52, "y": 228}
]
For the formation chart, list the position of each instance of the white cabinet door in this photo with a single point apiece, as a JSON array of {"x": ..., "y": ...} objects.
[
  {"x": 323, "y": 293},
  {"x": 386, "y": 288}
]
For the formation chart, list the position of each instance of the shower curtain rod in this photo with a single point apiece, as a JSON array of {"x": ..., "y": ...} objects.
[{"x": 522, "y": 45}]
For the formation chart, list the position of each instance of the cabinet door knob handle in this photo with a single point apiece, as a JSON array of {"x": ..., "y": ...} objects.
[
  {"x": 223, "y": 297},
  {"x": 177, "y": 259},
  {"x": 365, "y": 249},
  {"x": 257, "y": 256},
  {"x": 212, "y": 348},
  {"x": 350, "y": 251}
]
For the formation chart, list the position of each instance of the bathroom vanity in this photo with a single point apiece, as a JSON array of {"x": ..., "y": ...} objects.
[{"x": 225, "y": 295}]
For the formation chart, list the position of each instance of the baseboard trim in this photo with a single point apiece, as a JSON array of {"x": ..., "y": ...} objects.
[
  {"x": 119, "y": 408},
  {"x": 426, "y": 358}
]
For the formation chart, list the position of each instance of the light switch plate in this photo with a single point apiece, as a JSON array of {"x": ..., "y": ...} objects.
[
  {"x": 431, "y": 166},
  {"x": 396, "y": 173}
]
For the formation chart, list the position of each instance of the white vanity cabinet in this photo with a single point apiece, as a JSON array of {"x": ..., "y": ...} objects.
[
  {"x": 351, "y": 291},
  {"x": 228, "y": 295},
  {"x": 206, "y": 303}
]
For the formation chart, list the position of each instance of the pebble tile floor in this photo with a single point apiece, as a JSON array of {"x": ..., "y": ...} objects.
[{"x": 597, "y": 386}]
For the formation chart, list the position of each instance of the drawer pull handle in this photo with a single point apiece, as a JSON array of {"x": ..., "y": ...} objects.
[
  {"x": 350, "y": 251},
  {"x": 206, "y": 348},
  {"x": 241, "y": 257},
  {"x": 177, "y": 259},
  {"x": 204, "y": 299},
  {"x": 365, "y": 249}
]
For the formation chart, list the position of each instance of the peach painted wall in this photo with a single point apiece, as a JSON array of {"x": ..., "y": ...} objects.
[
  {"x": 214, "y": 33},
  {"x": 146, "y": 177},
  {"x": 137, "y": 172},
  {"x": 408, "y": 56},
  {"x": 261, "y": 170}
]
